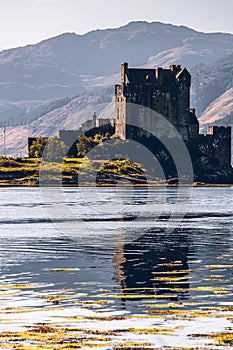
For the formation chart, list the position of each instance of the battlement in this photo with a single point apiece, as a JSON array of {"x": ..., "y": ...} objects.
[
  {"x": 219, "y": 131},
  {"x": 164, "y": 79}
]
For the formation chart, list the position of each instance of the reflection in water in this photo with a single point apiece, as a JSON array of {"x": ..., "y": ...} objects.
[
  {"x": 156, "y": 263},
  {"x": 127, "y": 273}
]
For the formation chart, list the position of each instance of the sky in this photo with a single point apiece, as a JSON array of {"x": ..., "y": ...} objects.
[{"x": 25, "y": 22}]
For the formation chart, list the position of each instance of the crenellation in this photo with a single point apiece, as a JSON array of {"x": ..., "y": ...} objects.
[{"x": 219, "y": 131}]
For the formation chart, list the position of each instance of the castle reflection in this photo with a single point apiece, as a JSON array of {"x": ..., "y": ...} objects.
[{"x": 156, "y": 263}]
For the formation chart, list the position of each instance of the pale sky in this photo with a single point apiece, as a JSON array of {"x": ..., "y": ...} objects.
[{"x": 25, "y": 22}]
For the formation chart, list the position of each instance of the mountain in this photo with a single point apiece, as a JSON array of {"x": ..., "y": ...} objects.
[
  {"x": 211, "y": 81},
  {"x": 69, "y": 116},
  {"x": 62, "y": 66},
  {"x": 38, "y": 82},
  {"x": 220, "y": 111}
]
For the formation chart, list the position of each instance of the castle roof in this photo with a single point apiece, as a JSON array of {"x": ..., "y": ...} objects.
[
  {"x": 141, "y": 76},
  {"x": 183, "y": 72}
]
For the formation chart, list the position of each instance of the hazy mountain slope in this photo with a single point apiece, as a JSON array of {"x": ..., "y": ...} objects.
[
  {"x": 210, "y": 81},
  {"x": 64, "y": 65},
  {"x": 200, "y": 48},
  {"x": 21, "y": 112},
  {"x": 69, "y": 116},
  {"x": 220, "y": 111}
]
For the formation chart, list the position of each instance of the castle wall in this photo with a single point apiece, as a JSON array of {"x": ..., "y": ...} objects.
[
  {"x": 220, "y": 138},
  {"x": 215, "y": 147}
]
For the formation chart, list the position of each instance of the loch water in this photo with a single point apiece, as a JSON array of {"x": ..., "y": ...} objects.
[{"x": 118, "y": 251}]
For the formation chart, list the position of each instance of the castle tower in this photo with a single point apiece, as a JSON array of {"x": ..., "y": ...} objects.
[
  {"x": 94, "y": 118},
  {"x": 193, "y": 124},
  {"x": 120, "y": 102},
  {"x": 166, "y": 91},
  {"x": 184, "y": 83}
]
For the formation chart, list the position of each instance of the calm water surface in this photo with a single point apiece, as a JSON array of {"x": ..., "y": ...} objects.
[{"x": 144, "y": 252}]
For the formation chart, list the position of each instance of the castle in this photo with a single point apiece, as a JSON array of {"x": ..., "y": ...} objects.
[{"x": 167, "y": 92}]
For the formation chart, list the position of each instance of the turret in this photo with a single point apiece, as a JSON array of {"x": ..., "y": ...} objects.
[
  {"x": 94, "y": 117},
  {"x": 193, "y": 124}
]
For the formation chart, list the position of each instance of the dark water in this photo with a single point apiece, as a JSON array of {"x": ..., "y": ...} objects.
[
  {"x": 135, "y": 247},
  {"x": 121, "y": 253}
]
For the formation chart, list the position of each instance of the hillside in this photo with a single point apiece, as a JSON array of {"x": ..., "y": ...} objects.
[
  {"x": 38, "y": 82},
  {"x": 220, "y": 111},
  {"x": 69, "y": 116},
  {"x": 63, "y": 65},
  {"x": 211, "y": 81}
]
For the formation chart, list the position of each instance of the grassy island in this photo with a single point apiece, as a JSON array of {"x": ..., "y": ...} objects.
[
  {"x": 76, "y": 171},
  {"x": 71, "y": 171}
]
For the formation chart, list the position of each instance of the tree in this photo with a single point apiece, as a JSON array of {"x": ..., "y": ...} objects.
[
  {"x": 55, "y": 149},
  {"x": 97, "y": 138},
  {"x": 85, "y": 144},
  {"x": 37, "y": 147}
]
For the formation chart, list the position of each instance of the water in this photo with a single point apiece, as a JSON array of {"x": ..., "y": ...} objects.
[{"x": 129, "y": 257}]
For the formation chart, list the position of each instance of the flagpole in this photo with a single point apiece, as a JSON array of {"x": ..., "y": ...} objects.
[{"x": 4, "y": 140}]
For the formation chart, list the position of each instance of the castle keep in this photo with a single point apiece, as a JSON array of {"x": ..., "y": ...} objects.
[{"x": 167, "y": 92}]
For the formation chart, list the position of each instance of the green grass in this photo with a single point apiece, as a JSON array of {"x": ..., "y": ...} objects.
[{"x": 26, "y": 171}]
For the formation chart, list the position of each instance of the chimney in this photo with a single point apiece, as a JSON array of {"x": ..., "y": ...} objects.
[
  {"x": 124, "y": 67},
  {"x": 175, "y": 68}
]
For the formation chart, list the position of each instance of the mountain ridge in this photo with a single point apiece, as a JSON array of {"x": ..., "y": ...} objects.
[
  {"x": 35, "y": 77},
  {"x": 55, "y": 67}
]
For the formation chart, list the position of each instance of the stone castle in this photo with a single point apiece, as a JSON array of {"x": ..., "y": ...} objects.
[{"x": 167, "y": 92}]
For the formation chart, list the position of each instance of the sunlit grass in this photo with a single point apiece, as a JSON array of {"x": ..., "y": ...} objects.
[{"x": 27, "y": 171}]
